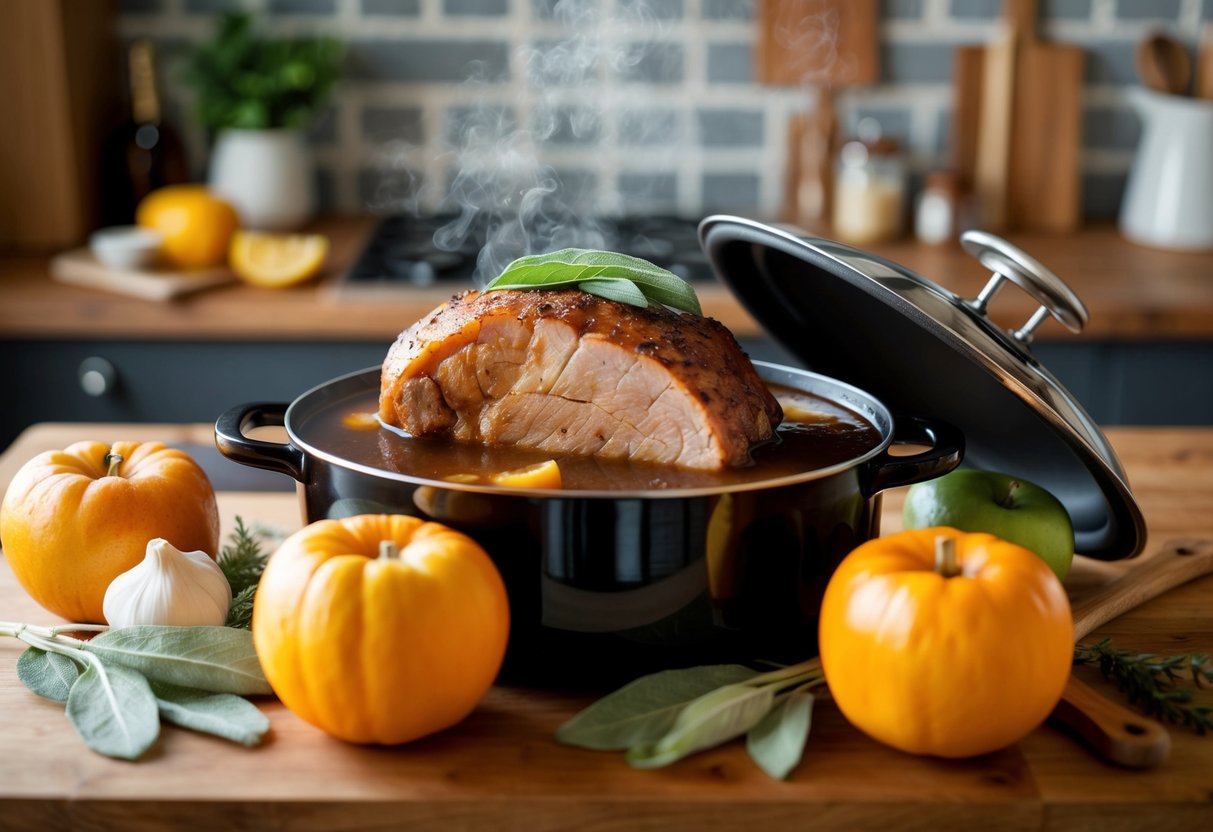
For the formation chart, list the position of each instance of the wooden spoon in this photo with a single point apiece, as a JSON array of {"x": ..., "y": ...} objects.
[{"x": 1163, "y": 64}]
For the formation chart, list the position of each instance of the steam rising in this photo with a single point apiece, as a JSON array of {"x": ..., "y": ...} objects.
[{"x": 503, "y": 191}]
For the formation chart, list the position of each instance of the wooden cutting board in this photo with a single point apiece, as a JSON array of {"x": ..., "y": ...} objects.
[
  {"x": 1029, "y": 123},
  {"x": 824, "y": 43},
  {"x": 80, "y": 267}
]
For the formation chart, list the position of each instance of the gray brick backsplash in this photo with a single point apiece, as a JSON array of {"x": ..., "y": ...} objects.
[
  {"x": 386, "y": 124},
  {"x": 1110, "y": 128},
  {"x": 894, "y": 121},
  {"x": 212, "y": 6},
  {"x": 428, "y": 60},
  {"x": 729, "y": 9},
  {"x": 648, "y": 191},
  {"x": 578, "y": 187},
  {"x": 730, "y": 63},
  {"x": 650, "y": 9},
  {"x": 403, "y": 8},
  {"x": 1101, "y": 194},
  {"x": 731, "y": 191},
  {"x": 981, "y": 9},
  {"x": 730, "y": 128},
  {"x": 1148, "y": 9},
  {"x": 478, "y": 126},
  {"x": 649, "y": 101},
  {"x": 901, "y": 9},
  {"x": 1206, "y": 10},
  {"x": 1111, "y": 62},
  {"x": 568, "y": 125},
  {"x": 302, "y": 6},
  {"x": 639, "y": 128},
  {"x": 476, "y": 8},
  {"x": 916, "y": 62},
  {"x": 323, "y": 131},
  {"x": 658, "y": 62},
  {"x": 326, "y": 189}
]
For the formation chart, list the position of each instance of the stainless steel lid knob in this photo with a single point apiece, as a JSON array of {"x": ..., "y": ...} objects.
[{"x": 1008, "y": 262}]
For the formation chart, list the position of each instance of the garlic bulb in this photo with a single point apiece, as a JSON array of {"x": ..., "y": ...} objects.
[{"x": 169, "y": 587}]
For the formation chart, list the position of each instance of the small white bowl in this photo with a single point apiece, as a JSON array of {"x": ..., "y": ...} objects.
[{"x": 126, "y": 246}]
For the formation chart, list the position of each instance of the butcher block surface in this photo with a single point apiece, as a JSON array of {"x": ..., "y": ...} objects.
[{"x": 501, "y": 769}]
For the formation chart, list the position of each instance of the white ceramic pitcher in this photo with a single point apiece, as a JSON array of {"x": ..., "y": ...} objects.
[{"x": 1168, "y": 201}]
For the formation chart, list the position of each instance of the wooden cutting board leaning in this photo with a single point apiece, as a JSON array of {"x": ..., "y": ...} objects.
[{"x": 1017, "y": 125}]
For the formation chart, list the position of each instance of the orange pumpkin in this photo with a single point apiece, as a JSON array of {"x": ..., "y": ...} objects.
[
  {"x": 380, "y": 628},
  {"x": 75, "y": 519},
  {"x": 954, "y": 658}
]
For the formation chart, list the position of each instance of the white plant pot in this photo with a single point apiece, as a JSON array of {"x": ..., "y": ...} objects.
[{"x": 267, "y": 177}]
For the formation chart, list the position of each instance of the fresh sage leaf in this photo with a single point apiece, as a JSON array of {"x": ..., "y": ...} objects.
[
  {"x": 47, "y": 673},
  {"x": 215, "y": 659},
  {"x": 777, "y": 743},
  {"x": 578, "y": 267},
  {"x": 221, "y": 714},
  {"x": 113, "y": 710},
  {"x": 646, "y": 709},
  {"x": 712, "y": 719},
  {"x": 621, "y": 290}
]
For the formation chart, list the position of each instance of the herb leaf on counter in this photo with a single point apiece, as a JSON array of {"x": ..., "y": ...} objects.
[
  {"x": 220, "y": 714},
  {"x": 628, "y": 279},
  {"x": 1151, "y": 681},
  {"x": 113, "y": 710},
  {"x": 216, "y": 659},
  {"x": 50, "y": 675},
  {"x": 777, "y": 743}
]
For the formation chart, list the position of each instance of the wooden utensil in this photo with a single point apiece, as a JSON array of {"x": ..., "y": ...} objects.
[
  {"x": 1163, "y": 64},
  {"x": 1038, "y": 186},
  {"x": 1204, "y": 66},
  {"x": 810, "y": 182}
]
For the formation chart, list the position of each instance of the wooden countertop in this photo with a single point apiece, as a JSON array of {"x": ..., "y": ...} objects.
[
  {"x": 501, "y": 769},
  {"x": 1132, "y": 293}
]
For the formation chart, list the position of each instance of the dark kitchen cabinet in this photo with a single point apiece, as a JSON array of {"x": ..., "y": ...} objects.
[{"x": 195, "y": 381}]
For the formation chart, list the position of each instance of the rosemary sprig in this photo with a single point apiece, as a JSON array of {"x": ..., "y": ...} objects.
[
  {"x": 1152, "y": 682},
  {"x": 242, "y": 562}
]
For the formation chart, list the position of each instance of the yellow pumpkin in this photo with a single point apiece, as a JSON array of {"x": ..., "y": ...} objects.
[
  {"x": 75, "y": 519},
  {"x": 380, "y": 628},
  {"x": 942, "y": 656}
]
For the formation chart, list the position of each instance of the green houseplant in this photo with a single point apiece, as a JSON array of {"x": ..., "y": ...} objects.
[{"x": 258, "y": 95}]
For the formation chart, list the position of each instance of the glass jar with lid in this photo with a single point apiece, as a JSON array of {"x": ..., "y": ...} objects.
[{"x": 870, "y": 187}]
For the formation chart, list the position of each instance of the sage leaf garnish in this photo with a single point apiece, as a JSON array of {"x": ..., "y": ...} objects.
[
  {"x": 221, "y": 714},
  {"x": 714, "y": 718},
  {"x": 216, "y": 659},
  {"x": 646, "y": 709},
  {"x": 627, "y": 279},
  {"x": 47, "y": 674},
  {"x": 113, "y": 710},
  {"x": 777, "y": 743}
]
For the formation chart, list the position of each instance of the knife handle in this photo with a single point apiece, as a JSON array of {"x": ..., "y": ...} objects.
[{"x": 1116, "y": 733}]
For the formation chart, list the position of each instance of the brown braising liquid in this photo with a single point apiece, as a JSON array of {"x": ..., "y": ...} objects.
[{"x": 816, "y": 433}]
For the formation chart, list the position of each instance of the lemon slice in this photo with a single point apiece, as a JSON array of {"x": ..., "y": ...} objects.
[
  {"x": 273, "y": 261},
  {"x": 543, "y": 475}
]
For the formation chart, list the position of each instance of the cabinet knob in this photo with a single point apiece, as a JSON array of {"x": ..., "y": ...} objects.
[{"x": 97, "y": 376}]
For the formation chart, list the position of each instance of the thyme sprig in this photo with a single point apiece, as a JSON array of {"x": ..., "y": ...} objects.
[
  {"x": 1152, "y": 682},
  {"x": 242, "y": 562}
]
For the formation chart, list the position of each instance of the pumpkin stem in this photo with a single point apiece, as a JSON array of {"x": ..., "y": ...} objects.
[
  {"x": 945, "y": 557},
  {"x": 388, "y": 550},
  {"x": 112, "y": 461}
]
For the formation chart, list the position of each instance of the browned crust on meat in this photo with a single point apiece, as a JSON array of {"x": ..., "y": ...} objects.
[{"x": 700, "y": 354}]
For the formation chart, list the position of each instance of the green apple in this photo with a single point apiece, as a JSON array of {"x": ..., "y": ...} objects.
[{"x": 1008, "y": 507}]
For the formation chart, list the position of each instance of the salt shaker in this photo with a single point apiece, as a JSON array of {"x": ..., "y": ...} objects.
[{"x": 869, "y": 198}]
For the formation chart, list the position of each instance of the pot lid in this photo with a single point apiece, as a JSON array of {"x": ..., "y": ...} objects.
[{"x": 927, "y": 351}]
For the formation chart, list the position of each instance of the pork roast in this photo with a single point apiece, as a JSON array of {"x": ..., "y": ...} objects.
[{"x": 567, "y": 372}]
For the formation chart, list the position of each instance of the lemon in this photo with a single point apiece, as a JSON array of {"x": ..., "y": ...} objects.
[
  {"x": 543, "y": 475},
  {"x": 273, "y": 261},
  {"x": 196, "y": 224}
]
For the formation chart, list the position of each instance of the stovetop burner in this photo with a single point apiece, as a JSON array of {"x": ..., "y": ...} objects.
[{"x": 401, "y": 251}]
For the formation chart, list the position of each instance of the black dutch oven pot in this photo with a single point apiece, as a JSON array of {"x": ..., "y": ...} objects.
[{"x": 604, "y": 585}]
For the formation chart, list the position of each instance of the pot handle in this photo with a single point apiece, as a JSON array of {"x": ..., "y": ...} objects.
[
  {"x": 946, "y": 451},
  {"x": 272, "y": 456}
]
